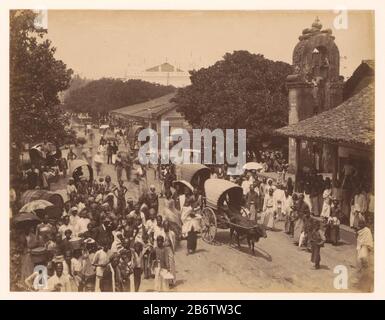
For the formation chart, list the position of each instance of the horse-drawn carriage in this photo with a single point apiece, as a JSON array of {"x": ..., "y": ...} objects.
[
  {"x": 222, "y": 207},
  {"x": 81, "y": 169},
  {"x": 191, "y": 176},
  {"x": 132, "y": 137},
  {"x": 195, "y": 174},
  {"x": 223, "y": 210}
]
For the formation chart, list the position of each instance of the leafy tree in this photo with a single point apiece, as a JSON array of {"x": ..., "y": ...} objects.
[
  {"x": 103, "y": 95},
  {"x": 36, "y": 78},
  {"x": 243, "y": 90}
]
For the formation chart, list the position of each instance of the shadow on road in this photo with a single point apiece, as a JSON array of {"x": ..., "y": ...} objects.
[
  {"x": 199, "y": 250},
  {"x": 223, "y": 238},
  {"x": 324, "y": 267},
  {"x": 179, "y": 282}
]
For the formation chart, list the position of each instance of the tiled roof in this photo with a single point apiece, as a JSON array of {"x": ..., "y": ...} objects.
[
  {"x": 352, "y": 122},
  {"x": 154, "y": 107}
]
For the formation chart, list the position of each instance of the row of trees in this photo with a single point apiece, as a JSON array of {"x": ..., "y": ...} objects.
[
  {"x": 76, "y": 83},
  {"x": 103, "y": 95},
  {"x": 242, "y": 90}
]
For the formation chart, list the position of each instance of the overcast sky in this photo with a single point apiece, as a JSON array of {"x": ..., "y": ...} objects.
[{"x": 99, "y": 44}]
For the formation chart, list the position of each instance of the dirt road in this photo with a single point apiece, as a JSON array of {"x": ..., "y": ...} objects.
[{"x": 278, "y": 265}]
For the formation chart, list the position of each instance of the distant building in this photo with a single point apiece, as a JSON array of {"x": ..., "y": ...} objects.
[
  {"x": 165, "y": 74},
  {"x": 151, "y": 113}
]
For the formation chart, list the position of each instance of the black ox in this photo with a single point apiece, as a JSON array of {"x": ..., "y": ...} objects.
[{"x": 243, "y": 228}]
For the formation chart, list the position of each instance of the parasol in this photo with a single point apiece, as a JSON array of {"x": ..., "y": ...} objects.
[
  {"x": 26, "y": 220},
  {"x": 253, "y": 166},
  {"x": 35, "y": 205}
]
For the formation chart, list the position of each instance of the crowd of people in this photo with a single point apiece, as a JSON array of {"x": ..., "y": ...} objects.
[
  {"x": 106, "y": 240},
  {"x": 102, "y": 242},
  {"x": 311, "y": 221}
]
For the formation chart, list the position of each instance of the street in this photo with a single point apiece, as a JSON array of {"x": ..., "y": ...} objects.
[{"x": 277, "y": 266}]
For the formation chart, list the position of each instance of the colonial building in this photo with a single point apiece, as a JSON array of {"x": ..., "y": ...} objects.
[
  {"x": 151, "y": 113},
  {"x": 164, "y": 74}
]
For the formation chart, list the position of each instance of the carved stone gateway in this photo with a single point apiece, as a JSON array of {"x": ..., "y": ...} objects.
[{"x": 315, "y": 86}]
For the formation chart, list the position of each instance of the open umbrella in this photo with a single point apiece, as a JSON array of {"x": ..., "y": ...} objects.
[
  {"x": 41, "y": 207},
  {"x": 253, "y": 166},
  {"x": 23, "y": 220},
  {"x": 35, "y": 205}
]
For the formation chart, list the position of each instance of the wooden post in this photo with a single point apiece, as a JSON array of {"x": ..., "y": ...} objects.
[
  {"x": 335, "y": 164},
  {"x": 297, "y": 162}
]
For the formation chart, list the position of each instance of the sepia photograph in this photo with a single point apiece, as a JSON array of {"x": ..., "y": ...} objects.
[{"x": 191, "y": 151}]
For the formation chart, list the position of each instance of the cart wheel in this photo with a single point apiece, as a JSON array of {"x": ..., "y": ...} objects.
[{"x": 209, "y": 225}]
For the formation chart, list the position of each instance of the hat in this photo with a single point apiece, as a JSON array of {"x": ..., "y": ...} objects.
[
  {"x": 74, "y": 209},
  {"x": 58, "y": 259},
  {"x": 89, "y": 241}
]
